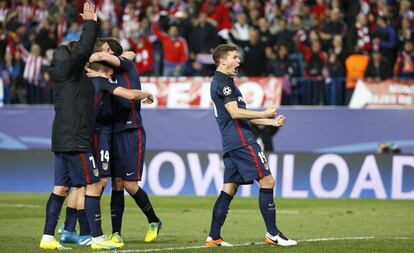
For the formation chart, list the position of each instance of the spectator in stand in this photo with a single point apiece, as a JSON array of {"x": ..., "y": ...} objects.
[
  {"x": 405, "y": 33},
  {"x": 298, "y": 28},
  {"x": 385, "y": 39},
  {"x": 284, "y": 36},
  {"x": 307, "y": 19},
  {"x": 63, "y": 9},
  {"x": 74, "y": 33},
  {"x": 219, "y": 12},
  {"x": 356, "y": 64},
  {"x": 329, "y": 29},
  {"x": 144, "y": 54},
  {"x": 237, "y": 8},
  {"x": 41, "y": 13},
  {"x": 335, "y": 88},
  {"x": 270, "y": 12},
  {"x": 254, "y": 55},
  {"x": 32, "y": 72},
  {"x": 63, "y": 14},
  {"x": 24, "y": 12},
  {"x": 264, "y": 32},
  {"x": 10, "y": 71},
  {"x": 254, "y": 13},
  {"x": 405, "y": 10},
  {"x": 282, "y": 65},
  {"x": 318, "y": 11},
  {"x": 130, "y": 19},
  {"x": 4, "y": 10},
  {"x": 202, "y": 43},
  {"x": 363, "y": 40},
  {"x": 46, "y": 37},
  {"x": 286, "y": 68},
  {"x": 107, "y": 11},
  {"x": 18, "y": 89},
  {"x": 21, "y": 37},
  {"x": 315, "y": 60},
  {"x": 338, "y": 49},
  {"x": 180, "y": 19},
  {"x": 404, "y": 67},
  {"x": 379, "y": 68},
  {"x": 105, "y": 30},
  {"x": 175, "y": 50},
  {"x": 241, "y": 29}
]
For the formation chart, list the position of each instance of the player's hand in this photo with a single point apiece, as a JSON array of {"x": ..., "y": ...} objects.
[
  {"x": 269, "y": 113},
  {"x": 149, "y": 99},
  {"x": 90, "y": 12},
  {"x": 279, "y": 121}
]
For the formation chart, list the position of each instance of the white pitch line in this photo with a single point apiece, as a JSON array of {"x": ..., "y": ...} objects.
[
  {"x": 338, "y": 239},
  {"x": 246, "y": 244},
  {"x": 20, "y": 205}
]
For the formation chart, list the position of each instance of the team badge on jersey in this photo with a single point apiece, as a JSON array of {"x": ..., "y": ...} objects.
[
  {"x": 96, "y": 172},
  {"x": 105, "y": 166},
  {"x": 227, "y": 90}
]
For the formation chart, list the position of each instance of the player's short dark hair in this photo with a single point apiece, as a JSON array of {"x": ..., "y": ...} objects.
[
  {"x": 115, "y": 46},
  {"x": 100, "y": 65},
  {"x": 221, "y": 51},
  {"x": 71, "y": 46}
]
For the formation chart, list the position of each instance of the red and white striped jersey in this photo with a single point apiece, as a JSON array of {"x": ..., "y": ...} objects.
[{"x": 33, "y": 66}]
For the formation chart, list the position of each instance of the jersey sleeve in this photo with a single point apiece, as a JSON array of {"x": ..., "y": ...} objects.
[
  {"x": 226, "y": 92},
  {"x": 105, "y": 85},
  {"x": 126, "y": 64}
]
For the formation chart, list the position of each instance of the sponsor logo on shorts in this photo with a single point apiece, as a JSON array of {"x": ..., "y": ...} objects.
[{"x": 129, "y": 174}]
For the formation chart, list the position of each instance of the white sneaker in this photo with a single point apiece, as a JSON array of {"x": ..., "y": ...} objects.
[
  {"x": 279, "y": 239},
  {"x": 219, "y": 242}
]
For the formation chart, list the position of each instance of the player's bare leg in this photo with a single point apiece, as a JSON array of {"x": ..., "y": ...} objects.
[
  {"x": 220, "y": 210},
  {"x": 103, "y": 182},
  {"x": 268, "y": 210}
]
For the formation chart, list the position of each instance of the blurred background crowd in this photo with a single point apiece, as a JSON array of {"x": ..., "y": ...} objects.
[{"x": 319, "y": 47}]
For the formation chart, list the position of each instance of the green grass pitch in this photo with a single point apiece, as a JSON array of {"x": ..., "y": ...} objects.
[{"x": 350, "y": 225}]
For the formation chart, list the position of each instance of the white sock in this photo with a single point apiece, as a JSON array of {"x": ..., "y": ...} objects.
[
  {"x": 48, "y": 238},
  {"x": 99, "y": 238}
]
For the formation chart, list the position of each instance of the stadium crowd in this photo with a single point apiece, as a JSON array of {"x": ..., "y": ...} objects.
[{"x": 319, "y": 47}]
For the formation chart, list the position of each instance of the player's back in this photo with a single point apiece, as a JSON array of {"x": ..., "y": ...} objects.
[
  {"x": 235, "y": 133},
  {"x": 72, "y": 99},
  {"x": 102, "y": 105}
]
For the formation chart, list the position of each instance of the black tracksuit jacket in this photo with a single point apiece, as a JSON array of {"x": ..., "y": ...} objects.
[{"x": 73, "y": 94}]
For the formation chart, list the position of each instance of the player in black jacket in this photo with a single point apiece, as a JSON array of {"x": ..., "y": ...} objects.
[{"x": 71, "y": 134}]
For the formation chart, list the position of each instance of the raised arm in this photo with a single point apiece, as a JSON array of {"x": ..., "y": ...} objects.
[
  {"x": 134, "y": 94},
  {"x": 103, "y": 56},
  {"x": 239, "y": 113},
  {"x": 87, "y": 40}
]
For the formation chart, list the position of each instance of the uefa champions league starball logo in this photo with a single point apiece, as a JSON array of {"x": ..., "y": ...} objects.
[{"x": 227, "y": 90}]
